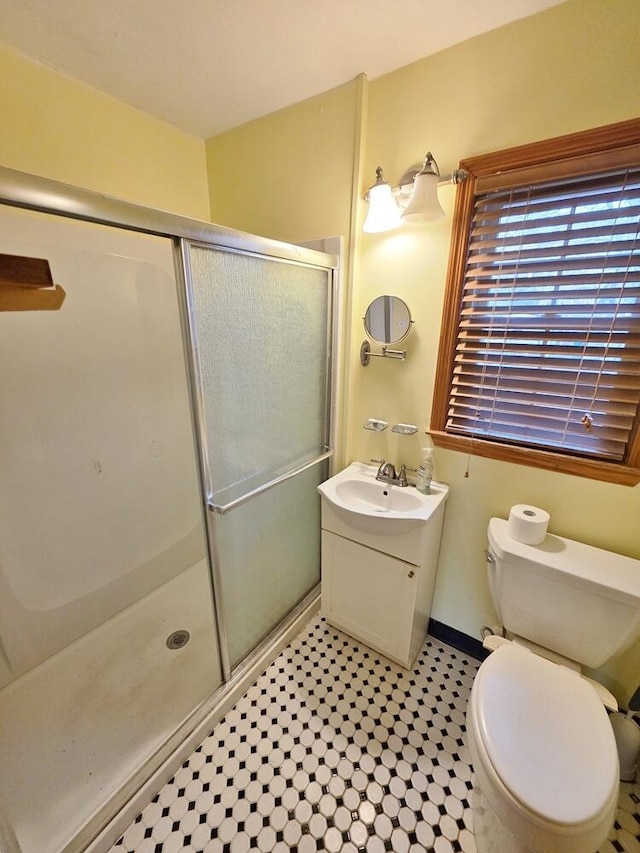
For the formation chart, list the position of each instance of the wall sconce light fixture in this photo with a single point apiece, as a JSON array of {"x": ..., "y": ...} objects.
[
  {"x": 384, "y": 213},
  {"x": 415, "y": 199}
]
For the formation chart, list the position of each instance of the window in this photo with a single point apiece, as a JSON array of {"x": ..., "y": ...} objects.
[{"x": 539, "y": 359}]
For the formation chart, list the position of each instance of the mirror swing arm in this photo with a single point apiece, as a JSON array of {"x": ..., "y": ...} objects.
[
  {"x": 366, "y": 355},
  {"x": 387, "y": 321}
]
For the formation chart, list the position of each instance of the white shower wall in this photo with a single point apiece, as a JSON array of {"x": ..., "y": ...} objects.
[{"x": 98, "y": 486}]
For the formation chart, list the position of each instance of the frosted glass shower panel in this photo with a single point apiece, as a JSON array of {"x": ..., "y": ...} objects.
[
  {"x": 270, "y": 555},
  {"x": 262, "y": 329}
]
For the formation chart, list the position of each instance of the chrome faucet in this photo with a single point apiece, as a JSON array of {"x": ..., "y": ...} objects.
[{"x": 387, "y": 473}]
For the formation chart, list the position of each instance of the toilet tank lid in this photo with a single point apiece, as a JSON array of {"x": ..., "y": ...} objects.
[
  {"x": 547, "y": 735},
  {"x": 611, "y": 575}
]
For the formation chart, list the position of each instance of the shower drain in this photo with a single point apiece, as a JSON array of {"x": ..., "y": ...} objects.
[{"x": 178, "y": 639}]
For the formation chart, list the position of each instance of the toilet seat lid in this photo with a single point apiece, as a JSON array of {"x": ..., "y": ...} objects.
[{"x": 547, "y": 735}]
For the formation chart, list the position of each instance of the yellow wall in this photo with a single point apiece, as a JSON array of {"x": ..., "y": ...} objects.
[
  {"x": 288, "y": 175},
  {"x": 60, "y": 129},
  {"x": 291, "y": 176},
  {"x": 572, "y": 67}
]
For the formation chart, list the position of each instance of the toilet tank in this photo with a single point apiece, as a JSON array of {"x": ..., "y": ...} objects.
[{"x": 578, "y": 601}]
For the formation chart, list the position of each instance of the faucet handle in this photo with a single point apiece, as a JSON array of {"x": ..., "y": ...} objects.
[
  {"x": 380, "y": 463},
  {"x": 402, "y": 477}
]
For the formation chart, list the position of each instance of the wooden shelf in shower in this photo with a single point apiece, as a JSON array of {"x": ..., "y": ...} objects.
[{"x": 26, "y": 284}]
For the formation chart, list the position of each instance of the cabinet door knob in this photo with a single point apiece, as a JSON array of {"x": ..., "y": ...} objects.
[{"x": 411, "y": 574}]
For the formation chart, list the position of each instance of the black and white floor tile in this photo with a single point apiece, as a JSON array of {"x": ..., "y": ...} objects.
[{"x": 336, "y": 748}]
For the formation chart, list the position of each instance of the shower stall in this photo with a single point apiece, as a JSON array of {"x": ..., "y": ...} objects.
[{"x": 167, "y": 394}]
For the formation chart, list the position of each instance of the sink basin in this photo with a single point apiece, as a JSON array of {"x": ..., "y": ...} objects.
[
  {"x": 356, "y": 492},
  {"x": 367, "y": 496}
]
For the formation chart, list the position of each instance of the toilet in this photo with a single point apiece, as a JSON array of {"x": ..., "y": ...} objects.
[{"x": 541, "y": 744}]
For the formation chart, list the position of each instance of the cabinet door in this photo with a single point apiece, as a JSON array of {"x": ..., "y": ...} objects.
[{"x": 369, "y": 595}]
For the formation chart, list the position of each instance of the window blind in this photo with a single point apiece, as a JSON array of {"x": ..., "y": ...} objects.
[{"x": 548, "y": 347}]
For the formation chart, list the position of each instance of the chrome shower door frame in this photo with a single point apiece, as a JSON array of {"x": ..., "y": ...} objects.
[{"x": 261, "y": 248}]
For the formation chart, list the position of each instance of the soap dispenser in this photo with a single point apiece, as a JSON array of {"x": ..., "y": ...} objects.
[{"x": 425, "y": 471}]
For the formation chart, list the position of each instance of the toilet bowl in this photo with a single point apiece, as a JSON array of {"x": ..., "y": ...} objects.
[
  {"x": 542, "y": 746},
  {"x": 544, "y": 756}
]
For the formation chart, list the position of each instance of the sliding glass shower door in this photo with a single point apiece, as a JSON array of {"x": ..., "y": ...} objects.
[
  {"x": 261, "y": 331},
  {"x": 103, "y": 569}
]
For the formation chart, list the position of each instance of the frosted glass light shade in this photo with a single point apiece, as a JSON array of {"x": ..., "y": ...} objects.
[
  {"x": 384, "y": 213},
  {"x": 424, "y": 205}
]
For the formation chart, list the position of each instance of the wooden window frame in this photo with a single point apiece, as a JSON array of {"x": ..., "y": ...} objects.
[{"x": 574, "y": 154}]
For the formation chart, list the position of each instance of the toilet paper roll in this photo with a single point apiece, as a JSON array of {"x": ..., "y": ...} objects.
[{"x": 527, "y": 524}]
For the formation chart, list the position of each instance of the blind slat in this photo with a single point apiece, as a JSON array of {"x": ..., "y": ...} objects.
[
  {"x": 468, "y": 398},
  {"x": 479, "y": 351},
  {"x": 572, "y": 283},
  {"x": 549, "y": 426},
  {"x": 606, "y": 389},
  {"x": 551, "y": 411},
  {"x": 554, "y": 265},
  {"x": 588, "y": 252},
  {"x": 528, "y": 212},
  {"x": 555, "y": 229},
  {"x": 607, "y": 205},
  {"x": 541, "y": 376},
  {"x": 583, "y": 364},
  {"x": 597, "y": 338},
  {"x": 548, "y": 321},
  {"x": 599, "y": 296},
  {"x": 519, "y": 435},
  {"x": 488, "y": 227}
]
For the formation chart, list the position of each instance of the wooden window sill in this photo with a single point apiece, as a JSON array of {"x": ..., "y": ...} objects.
[{"x": 608, "y": 472}]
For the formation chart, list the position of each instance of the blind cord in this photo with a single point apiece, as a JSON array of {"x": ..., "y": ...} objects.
[{"x": 587, "y": 418}]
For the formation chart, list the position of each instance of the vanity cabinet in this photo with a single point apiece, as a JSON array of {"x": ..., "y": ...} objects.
[
  {"x": 377, "y": 584},
  {"x": 371, "y": 596}
]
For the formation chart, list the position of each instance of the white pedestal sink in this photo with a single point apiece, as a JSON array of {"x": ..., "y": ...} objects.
[{"x": 380, "y": 547}]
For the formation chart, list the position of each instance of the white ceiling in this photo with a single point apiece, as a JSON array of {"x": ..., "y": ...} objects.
[{"x": 208, "y": 65}]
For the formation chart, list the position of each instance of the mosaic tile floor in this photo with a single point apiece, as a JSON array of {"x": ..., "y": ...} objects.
[{"x": 335, "y": 748}]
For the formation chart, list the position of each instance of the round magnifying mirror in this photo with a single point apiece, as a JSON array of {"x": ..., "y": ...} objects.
[{"x": 388, "y": 320}]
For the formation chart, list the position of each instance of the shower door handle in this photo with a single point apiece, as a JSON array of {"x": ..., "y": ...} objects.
[{"x": 221, "y": 509}]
